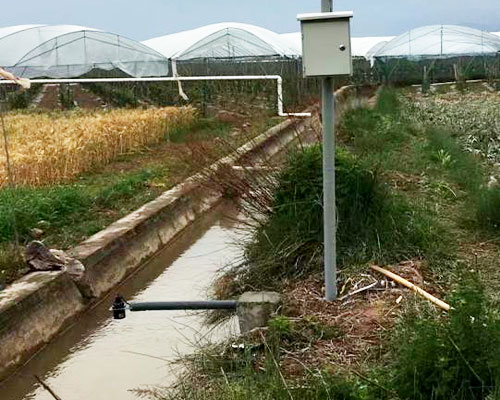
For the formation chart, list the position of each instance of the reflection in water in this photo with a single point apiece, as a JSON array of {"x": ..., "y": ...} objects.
[{"x": 100, "y": 358}]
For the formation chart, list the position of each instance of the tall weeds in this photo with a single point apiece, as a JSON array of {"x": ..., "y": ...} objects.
[
  {"x": 374, "y": 224},
  {"x": 455, "y": 357}
]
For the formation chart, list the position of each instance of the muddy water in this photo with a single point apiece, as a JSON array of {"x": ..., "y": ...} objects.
[{"x": 100, "y": 358}]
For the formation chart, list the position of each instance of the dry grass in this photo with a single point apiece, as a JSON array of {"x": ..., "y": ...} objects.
[
  {"x": 362, "y": 320},
  {"x": 51, "y": 148}
]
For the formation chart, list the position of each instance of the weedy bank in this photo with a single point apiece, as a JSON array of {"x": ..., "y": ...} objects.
[{"x": 411, "y": 195}]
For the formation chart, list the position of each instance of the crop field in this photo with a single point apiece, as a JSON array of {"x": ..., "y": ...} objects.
[
  {"x": 49, "y": 148},
  {"x": 474, "y": 118}
]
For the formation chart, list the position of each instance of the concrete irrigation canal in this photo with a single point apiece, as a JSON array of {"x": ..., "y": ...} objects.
[
  {"x": 98, "y": 357},
  {"x": 83, "y": 353},
  {"x": 102, "y": 358}
]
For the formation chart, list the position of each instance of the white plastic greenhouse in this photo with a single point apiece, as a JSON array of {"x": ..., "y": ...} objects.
[
  {"x": 62, "y": 51},
  {"x": 360, "y": 46},
  {"x": 227, "y": 40},
  {"x": 368, "y": 46},
  {"x": 440, "y": 41}
]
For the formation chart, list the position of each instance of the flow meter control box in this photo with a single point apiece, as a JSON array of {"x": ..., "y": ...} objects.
[{"x": 326, "y": 43}]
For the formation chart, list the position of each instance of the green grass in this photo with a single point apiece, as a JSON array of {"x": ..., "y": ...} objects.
[
  {"x": 202, "y": 129},
  {"x": 58, "y": 206},
  {"x": 68, "y": 213},
  {"x": 460, "y": 166}
]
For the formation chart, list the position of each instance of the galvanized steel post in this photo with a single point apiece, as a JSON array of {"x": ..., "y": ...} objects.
[{"x": 329, "y": 217}]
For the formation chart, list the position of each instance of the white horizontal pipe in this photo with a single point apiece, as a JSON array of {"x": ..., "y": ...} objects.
[
  {"x": 278, "y": 79},
  {"x": 154, "y": 79}
]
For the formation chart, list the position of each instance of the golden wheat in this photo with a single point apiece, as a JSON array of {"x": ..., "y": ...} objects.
[{"x": 51, "y": 148}]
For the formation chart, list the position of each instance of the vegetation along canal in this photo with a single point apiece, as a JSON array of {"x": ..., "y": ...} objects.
[{"x": 101, "y": 358}]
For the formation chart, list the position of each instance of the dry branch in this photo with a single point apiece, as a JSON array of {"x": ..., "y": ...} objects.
[{"x": 47, "y": 388}]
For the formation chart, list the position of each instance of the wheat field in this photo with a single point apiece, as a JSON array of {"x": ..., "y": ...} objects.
[{"x": 52, "y": 148}]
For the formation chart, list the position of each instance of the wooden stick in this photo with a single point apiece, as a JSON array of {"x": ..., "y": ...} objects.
[
  {"x": 363, "y": 289},
  {"x": 415, "y": 288},
  {"x": 47, "y": 388}
]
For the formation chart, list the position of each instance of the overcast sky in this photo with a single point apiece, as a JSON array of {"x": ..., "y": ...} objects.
[{"x": 149, "y": 18}]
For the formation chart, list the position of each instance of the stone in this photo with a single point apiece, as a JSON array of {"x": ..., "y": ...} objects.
[
  {"x": 492, "y": 183},
  {"x": 229, "y": 117},
  {"x": 42, "y": 224},
  {"x": 72, "y": 266},
  {"x": 36, "y": 233},
  {"x": 40, "y": 258},
  {"x": 255, "y": 308}
]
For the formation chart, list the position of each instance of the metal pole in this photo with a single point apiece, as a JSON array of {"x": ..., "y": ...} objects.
[
  {"x": 329, "y": 218},
  {"x": 326, "y": 5}
]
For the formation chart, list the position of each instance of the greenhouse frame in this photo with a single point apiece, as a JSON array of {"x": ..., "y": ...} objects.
[
  {"x": 438, "y": 53},
  {"x": 433, "y": 53},
  {"x": 227, "y": 40},
  {"x": 64, "y": 51}
]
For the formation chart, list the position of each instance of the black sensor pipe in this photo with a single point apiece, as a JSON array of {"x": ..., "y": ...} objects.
[{"x": 184, "y": 305}]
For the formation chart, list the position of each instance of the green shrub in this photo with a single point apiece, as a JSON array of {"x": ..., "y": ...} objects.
[
  {"x": 488, "y": 208},
  {"x": 380, "y": 134},
  {"x": 388, "y": 102},
  {"x": 455, "y": 357},
  {"x": 18, "y": 100},
  {"x": 461, "y": 166},
  {"x": 66, "y": 97},
  {"x": 201, "y": 129},
  {"x": 373, "y": 223},
  {"x": 118, "y": 95},
  {"x": 11, "y": 263}
]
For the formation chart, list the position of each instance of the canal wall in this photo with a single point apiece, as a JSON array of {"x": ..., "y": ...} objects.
[{"x": 32, "y": 311}]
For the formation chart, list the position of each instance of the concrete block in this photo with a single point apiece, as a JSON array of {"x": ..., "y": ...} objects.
[{"x": 255, "y": 309}]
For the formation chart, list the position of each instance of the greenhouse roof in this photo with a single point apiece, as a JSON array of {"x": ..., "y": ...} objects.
[
  {"x": 61, "y": 51},
  {"x": 367, "y": 46},
  {"x": 9, "y": 30},
  {"x": 440, "y": 41},
  {"x": 294, "y": 39},
  {"x": 360, "y": 46},
  {"x": 224, "y": 40}
]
